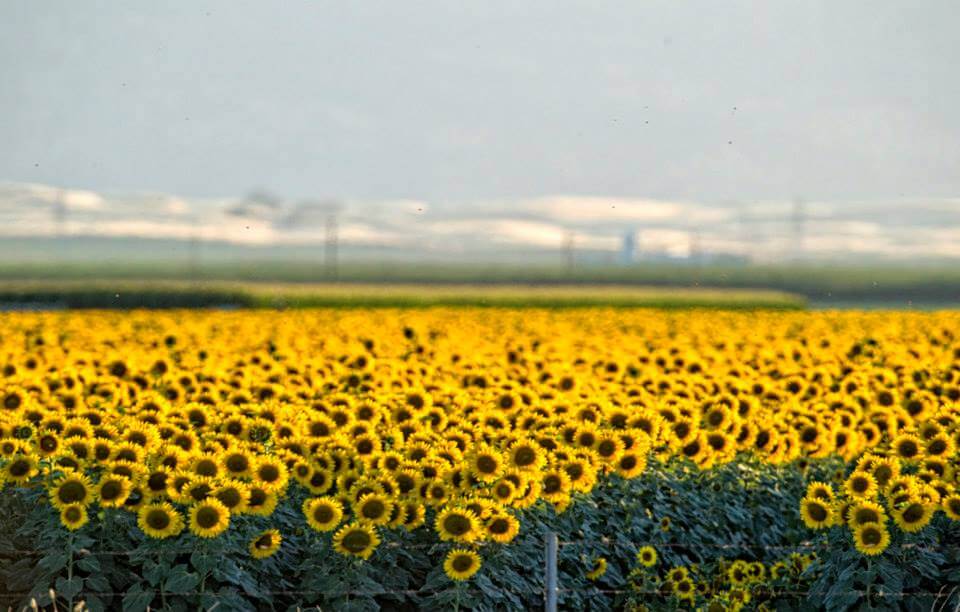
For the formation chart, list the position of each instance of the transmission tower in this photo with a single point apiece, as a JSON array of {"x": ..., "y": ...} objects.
[{"x": 799, "y": 228}]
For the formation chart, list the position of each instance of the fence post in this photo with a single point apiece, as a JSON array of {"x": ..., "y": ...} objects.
[{"x": 550, "y": 591}]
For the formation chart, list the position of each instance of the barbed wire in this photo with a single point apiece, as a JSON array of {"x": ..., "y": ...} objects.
[
  {"x": 532, "y": 591},
  {"x": 565, "y": 543}
]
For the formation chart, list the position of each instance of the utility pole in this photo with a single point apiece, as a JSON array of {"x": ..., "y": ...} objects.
[
  {"x": 330, "y": 247},
  {"x": 568, "y": 245},
  {"x": 59, "y": 215},
  {"x": 799, "y": 227},
  {"x": 193, "y": 250},
  {"x": 695, "y": 252}
]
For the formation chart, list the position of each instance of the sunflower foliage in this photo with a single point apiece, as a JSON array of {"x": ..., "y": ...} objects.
[{"x": 395, "y": 459}]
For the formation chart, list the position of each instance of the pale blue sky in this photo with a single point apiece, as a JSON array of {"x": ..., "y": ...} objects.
[{"x": 454, "y": 101}]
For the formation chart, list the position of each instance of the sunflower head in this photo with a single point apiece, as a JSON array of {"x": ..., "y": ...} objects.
[
  {"x": 460, "y": 564},
  {"x": 816, "y": 513},
  {"x": 871, "y": 538},
  {"x": 323, "y": 513},
  {"x": 265, "y": 544},
  {"x": 209, "y": 518},
  {"x": 647, "y": 556},
  {"x": 159, "y": 520},
  {"x": 73, "y": 516},
  {"x": 357, "y": 539},
  {"x": 457, "y": 524}
]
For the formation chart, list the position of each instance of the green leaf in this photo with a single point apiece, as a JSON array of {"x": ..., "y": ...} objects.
[
  {"x": 94, "y": 604},
  {"x": 97, "y": 583},
  {"x": 136, "y": 599},
  {"x": 88, "y": 563},
  {"x": 203, "y": 562},
  {"x": 179, "y": 580},
  {"x": 53, "y": 562},
  {"x": 68, "y": 588}
]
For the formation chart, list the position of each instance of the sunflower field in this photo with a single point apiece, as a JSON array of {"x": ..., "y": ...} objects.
[{"x": 405, "y": 459}]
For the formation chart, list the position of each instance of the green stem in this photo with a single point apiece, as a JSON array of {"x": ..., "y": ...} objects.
[
  {"x": 163, "y": 592},
  {"x": 70, "y": 569}
]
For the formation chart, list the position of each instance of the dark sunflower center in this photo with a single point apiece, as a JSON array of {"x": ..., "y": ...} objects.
[
  {"x": 268, "y": 473},
  {"x": 486, "y": 464},
  {"x": 462, "y": 563},
  {"x": 238, "y": 463},
  {"x": 607, "y": 448},
  {"x": 72, "y": 491},
  {"x": 373, "y": 509},
  {"x": 356, "y": 541},
  {"x": 208, "y": 517},
  {"x": 457, "y": 524},
  {"x": 111, "y": 490},
  {"x": 871, "y": 537},
  {"x": 158, "y": 519},
  {"x": 817, "y": 512},
  {"x": 525, "y": 456},
  {"x": 323, "y": 514},
  {"x": 230, "y": 498},
  {"x": 552, "y": 484},
  {"x": 908, "y": 449},
  {"x": 19, "y": 468},
  {"x": 913, "y": 513}
]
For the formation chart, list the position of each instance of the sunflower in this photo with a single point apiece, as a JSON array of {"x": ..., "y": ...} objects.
[
  {"x": 209, "y": 518},
  {"x": 261, "y": 502},
  {"x": 461, "y": 564},
  {"x": 159, "y": 520},
  {"x": 884, "y": 470},
  {"x": 457, "y": 524},
  {"x": 414, "y": 515},
  {"x": 356, "y": 539},
  {"x": 816, "y": 514},
  {"x": 913, "y": 516},
  {"x": 647, "y": 556},
  {"x": 20, "y": 469},
  {"x": 871, "y": 538},
  {"x": 13, "y": 399},
  {"x": 113, "y": 490},
  {"x": 265, "y": 544},
  {"x": 73, "y": 516},
  {"x": 861, "y": 485},
  {"x": 907, "y": 447},
  {"x": 373, "y": 508},
  {"x": 502, "y": 527},
  {"x": 73, "y": 488},
  {"x": 526, "y": 455},
  {"x": 555, "y": 486},
  {"x": 236, "y": 463},
  {"x": 598, "y": 570},
  {"x": 865, "y": 511},
  {"x": 685, "y": 589},
  {"x": 951, "y": 506},
  {"x": 323, "y": 513},
  {"x": 820, "y": 490},
  {"x": 271, "y": 474},
  {"x": 234, "y": 495},
  {"x": 486, "y": 463}
]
